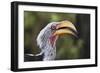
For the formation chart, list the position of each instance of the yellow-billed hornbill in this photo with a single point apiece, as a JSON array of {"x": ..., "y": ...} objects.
[{"x": 46, "y": 39}]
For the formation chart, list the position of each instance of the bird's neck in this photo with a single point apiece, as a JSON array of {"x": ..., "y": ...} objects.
[{"x": 49, "y": 51}]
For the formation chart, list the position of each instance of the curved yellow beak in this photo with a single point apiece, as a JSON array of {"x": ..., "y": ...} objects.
[{"x": 66, "y": 27}]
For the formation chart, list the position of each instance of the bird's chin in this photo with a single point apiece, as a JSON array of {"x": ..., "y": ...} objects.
[{"x": 53, "y": 40}]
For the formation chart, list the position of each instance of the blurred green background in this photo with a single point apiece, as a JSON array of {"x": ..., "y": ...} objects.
[{"x": 67, "y": 46}]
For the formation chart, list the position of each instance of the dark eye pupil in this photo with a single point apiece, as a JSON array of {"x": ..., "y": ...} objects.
[{"x": 53, "y": 27}]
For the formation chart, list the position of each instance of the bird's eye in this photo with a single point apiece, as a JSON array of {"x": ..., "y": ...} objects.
[{"x": 53, "y": 27}]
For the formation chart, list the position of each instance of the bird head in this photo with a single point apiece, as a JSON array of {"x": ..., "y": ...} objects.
[
  {"x": 50, "y": 33},
  {"x": 53, "y": 30}
]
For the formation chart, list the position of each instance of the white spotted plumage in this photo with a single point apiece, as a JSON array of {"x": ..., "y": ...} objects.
[{"x": 44, "y": 44}]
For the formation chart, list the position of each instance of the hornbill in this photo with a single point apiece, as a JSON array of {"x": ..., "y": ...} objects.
[{"x": 47, "y": 37}]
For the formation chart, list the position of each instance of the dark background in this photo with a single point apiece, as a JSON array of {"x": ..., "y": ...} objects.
[{"x": 67, "y": 47}]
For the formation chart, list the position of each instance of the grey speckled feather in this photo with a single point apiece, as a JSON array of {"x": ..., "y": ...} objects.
[{"x": 44, "y": 43}]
